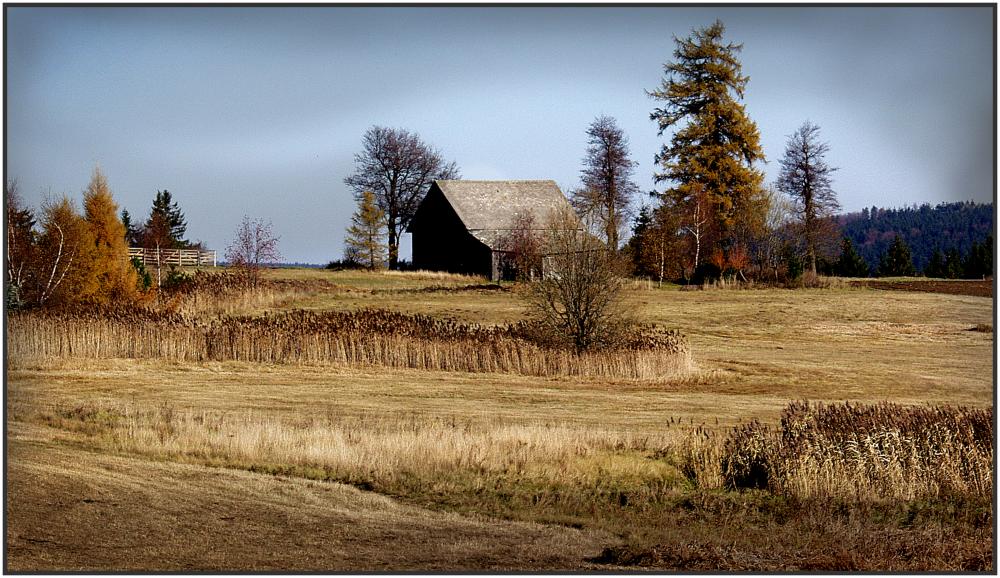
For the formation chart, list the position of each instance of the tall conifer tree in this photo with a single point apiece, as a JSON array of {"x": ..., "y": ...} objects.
[
  {"x": 113, "y": 275},
  {"x": 850, "y": 263},
  {"x": 896, "y": 261},
  {"x": 169, "y": 212},
  {"x": 365, "y": 237},
  {"x": 715, "y": 143}
]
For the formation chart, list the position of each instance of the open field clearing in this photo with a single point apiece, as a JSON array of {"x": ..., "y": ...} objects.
[
  {"x": 127, "y": 514},
  {"x": 483, "y": 470}
]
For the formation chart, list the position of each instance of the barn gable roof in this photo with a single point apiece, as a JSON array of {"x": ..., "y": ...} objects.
[{"x": 486, "y": 208}]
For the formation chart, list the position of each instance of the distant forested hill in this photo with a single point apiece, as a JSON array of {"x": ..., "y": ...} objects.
[{"x": 924, "y": 228}]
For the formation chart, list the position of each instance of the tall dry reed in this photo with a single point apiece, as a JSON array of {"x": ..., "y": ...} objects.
[
  {"x": 205, "y": 294},
  {"x": 863, "y": 452},
  {"x": 366, "y": 338}
]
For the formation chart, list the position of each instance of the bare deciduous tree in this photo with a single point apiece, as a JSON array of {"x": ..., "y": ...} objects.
[
  {"x": 806, "y": 178},
  {"x": 254, "y": 245},
  {"x": 771, "y": 245},
  {"x": 607, "y": 189},
  {"x": 577, "y": 301},
  {"x": 399, "y": 168},
  {"x": 522, "y": 247}
]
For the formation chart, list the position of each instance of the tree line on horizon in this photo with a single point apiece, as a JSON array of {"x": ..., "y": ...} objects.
[{"x": 953, "y": 231}]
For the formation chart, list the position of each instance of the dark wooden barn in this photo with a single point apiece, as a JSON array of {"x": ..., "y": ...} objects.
[{"x": 459, "y": 224}]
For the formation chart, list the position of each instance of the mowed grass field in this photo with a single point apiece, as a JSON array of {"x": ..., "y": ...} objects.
[{"x": 158, "y": 465}]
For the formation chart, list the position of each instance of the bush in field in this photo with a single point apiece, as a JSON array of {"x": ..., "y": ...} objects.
[
  {"x": 254, "y": 245},
  {"x": 176, "y": 278},
  {"x": 145, "y": 280},
  {"x": 577, "y": 302}
]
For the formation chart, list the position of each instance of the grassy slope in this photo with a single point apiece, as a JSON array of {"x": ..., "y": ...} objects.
[
  {"x": 755, "y": 350},
  {"x": 118, "y": 513}
]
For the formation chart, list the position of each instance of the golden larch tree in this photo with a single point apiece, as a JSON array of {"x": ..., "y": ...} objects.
[
  {"x": 113, "y": 277},
  {"x": 715, "y": 149},
  {"x": 364, "y": 242}
]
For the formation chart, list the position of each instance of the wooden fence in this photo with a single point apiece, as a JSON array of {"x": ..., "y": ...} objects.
[{"x": 179, "y": 257}]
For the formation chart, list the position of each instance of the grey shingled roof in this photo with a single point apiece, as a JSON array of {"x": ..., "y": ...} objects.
[{"x": 488, "y": 207}]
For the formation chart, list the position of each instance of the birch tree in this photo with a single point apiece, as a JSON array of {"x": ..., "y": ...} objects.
[
  {"x": 20, "y": 243},
  {"x": 64, "y": 254}
]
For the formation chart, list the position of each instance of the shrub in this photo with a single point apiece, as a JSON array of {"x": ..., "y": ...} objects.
[
  {"x": 176, "y": 279},
  {"x": 344, "y": 265},
  {"x": 577, "y": 302},
  {"x": 145, "y": 280}
]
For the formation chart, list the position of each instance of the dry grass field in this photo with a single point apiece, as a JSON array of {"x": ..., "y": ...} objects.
[{"x": 158, "y": 464}]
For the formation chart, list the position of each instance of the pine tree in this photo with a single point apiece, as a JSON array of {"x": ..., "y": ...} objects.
[
  {"x": 716, "y": 144},
  {"x": 365, "y": 235},
  {"x": 131, "y": 231},
  {"x": 805, "y": 177},
  {"x": 953, "y": 264},
  {"x": 978, "y": 262},
  {"x": 850, "y": 263},
  {"x": 896, "y": 261},
  {"x": 640, "y": 228},
  {"x": 936, "y": 267},
  {"x": 170, "y": 213},
  {"x": 114, "y": 277}
]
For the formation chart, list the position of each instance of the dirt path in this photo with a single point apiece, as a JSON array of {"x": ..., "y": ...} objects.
[
  {"x": 974, "y": 288},
  {"x": 73, "y": 509}
]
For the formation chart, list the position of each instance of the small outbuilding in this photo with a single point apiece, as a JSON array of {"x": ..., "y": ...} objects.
[{"x": 460, "y": 225}]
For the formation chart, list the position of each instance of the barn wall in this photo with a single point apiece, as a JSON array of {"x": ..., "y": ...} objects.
[{"x": 442, "y": 243}]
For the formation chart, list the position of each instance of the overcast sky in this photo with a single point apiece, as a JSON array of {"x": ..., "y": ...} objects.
[{"x": 259, "y": 111}]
